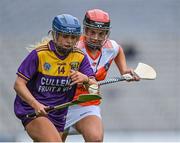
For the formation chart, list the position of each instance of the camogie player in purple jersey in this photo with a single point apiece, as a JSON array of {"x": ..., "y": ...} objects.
[{"x": 48, "y": 77}]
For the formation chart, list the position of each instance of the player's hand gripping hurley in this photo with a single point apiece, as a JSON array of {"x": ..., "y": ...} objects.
[
  {"x": 143, "y": 71},
  {"x": 81, "y": 99}
]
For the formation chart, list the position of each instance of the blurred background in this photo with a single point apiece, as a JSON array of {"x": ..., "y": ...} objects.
[{"x": 148, "y": 30}]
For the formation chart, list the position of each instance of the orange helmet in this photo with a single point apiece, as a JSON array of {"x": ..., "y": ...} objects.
[{"x": 98, "y": 20}]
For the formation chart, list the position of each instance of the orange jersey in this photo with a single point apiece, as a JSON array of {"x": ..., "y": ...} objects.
[{"x": 100, "y": 64}]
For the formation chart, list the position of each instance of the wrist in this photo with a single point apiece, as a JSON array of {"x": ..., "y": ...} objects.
[
  {"x": 33, "y": 103},
  {"x": 86, "y": 81}
]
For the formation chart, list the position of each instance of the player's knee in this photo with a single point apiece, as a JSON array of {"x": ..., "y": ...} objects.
[
  {"x": 98, "y": 137},
  {"x": 54, "y": 139},
  {"x": 47, "y": 139},
  {"x": 50, "y": 138}
]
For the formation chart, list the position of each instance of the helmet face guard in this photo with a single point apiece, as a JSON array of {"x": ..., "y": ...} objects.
[
  {"x": 64, "y": 26},
  {"x": 95, "y": 38},
  {"x": 96, "y": 28}
]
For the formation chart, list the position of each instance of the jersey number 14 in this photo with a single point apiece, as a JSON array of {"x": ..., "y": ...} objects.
[{"x": 61, "y": 69}]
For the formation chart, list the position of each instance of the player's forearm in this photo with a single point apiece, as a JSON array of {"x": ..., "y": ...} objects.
[{"x": 91, "y": 80}]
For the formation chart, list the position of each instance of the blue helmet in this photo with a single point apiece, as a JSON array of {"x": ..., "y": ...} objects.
[{"x": 66, "y": 24}]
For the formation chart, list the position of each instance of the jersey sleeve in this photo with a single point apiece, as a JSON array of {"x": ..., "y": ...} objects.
[
  {"x": 85, "y": 67},
  {"x": 116, "y": 47},
  {"x": 29, "y": 66}
]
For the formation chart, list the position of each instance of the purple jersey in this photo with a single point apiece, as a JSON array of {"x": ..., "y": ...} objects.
[{"x": 47, "y": 76}]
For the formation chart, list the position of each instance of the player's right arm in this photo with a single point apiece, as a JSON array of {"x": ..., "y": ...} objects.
[
  {"x": 24, "y": 93},
  {"x": 25, "y": 72}
]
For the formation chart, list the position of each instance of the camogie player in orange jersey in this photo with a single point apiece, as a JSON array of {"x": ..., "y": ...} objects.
[{"x": 101, "y": 52}]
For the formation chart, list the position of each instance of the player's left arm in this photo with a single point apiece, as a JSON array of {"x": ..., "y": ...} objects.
[
  {"x": 85, "y": 73},
  {"x": 78, "y": 77},
  {"x": 120, "y": 61}
]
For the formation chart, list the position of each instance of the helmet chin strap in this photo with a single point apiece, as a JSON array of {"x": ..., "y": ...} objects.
[
  {"x": 93, "y": 47},
  {"x": 96, "y": 47},
  {"x": 63, "y": 51}
]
